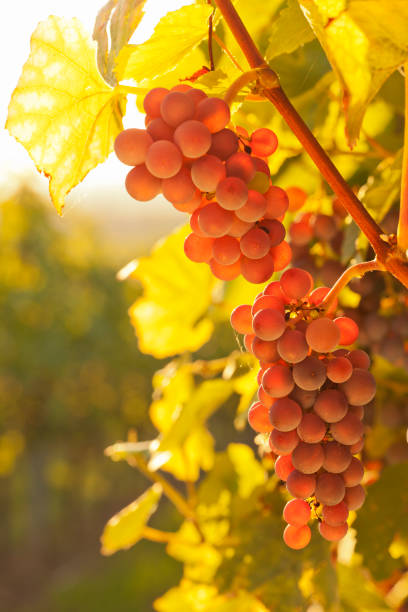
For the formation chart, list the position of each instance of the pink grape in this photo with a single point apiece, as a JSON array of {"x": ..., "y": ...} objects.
[
  {"x": 335, "y": 515},
  {"x": 214, "y": 221},
  {"x": 309, "y": 374},
  {"x": 241, "y": 319},
  {"x": 207, "y": 172},
  {"x": 283, "y": 467},
  {"x": 296, "y": 283},
  {"x": 339, "y": 369},
  {"x": 269, "y": 324},
  {"x": 214, "y": 113},
  {"x": 359, "y": 388},
  {"x": 141, "y": 185},
  {"x": 254, "y": 207},
  {"x": 333, "y": 533},
  {"x": 285, "y": 414},
  {"x": 258, "y": 418},
  {"x": 354, "y": 497},
  {"x": 225, "y": 273},
  {"x": 176, "y": 108},
  {"x": 152, "y": 101},
  {"x": 297, "y": 512},
  {"x": 283, "y": 441},
  {"x": 179, "y": 189},
  {"x": 348, "y": 330},
  {"x": 301, "y": 485},
  {"x": 308, "y": 458},
  {"x": 311, "y": 428},
  {"x": 159, "y": 130},
  {"x": 322, "y": 335},
  {"x": 257, "y": 270},
  {"x": 277, "y": 381},
  {"x": 241, "y": 166},
  {"x": 330, "y": 488},
  {"x": 226, "y": 250},
  {"x": 223, "y": 144},
  {"x": 239, "y": 227},
  {"x": 131, "y": 146},
  {"x": 193, "y": 138},
  {"x": 297, "y": 537},
  {"x": 354, "y": 473},
  {"x": 331, "y": 405},
  {"x": 337, "y": 457},
  {"x": 163, "y": 159},
  {"x": 275, "y": 230},
  {"x": 263, "y": 142},
  {"x": 347, "y": 431},
  {"x": 268, "y": 301},
  {"x": 359, "y": 359},
  {"x": 197, "y": 248},
  {"x": 281, "y": 255},
  {"x": 265, "y": 350},
  {"x": 292, "y": 346},
  {"x": 231, "y": 193},
  {"x": 277, "y": 202},
  {"x": 255, "y": 244}
]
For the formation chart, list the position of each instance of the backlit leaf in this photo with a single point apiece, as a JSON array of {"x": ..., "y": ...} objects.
[
  {"x": 365, "y": 41},
  {"x": 125, "y": 528},
  {"x": 289, "y": 31},
  {"x": 170, "y": 317},
  {"x": 62, "y": 111}
]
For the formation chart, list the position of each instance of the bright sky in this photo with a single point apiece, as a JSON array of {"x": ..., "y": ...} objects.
[{"x": 15, "y": 31}]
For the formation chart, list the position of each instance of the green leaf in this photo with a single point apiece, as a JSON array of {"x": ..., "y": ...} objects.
[
  {"x": 357, "y": 592},
  {"x": 125, "y": 528},
  {"x": 124, "y": 17},
  {"x": 289, "y": 31},
  {"x": 383, "y": 187},
  {"x": 176, "y": 35},
  {"x": 365, "y": 41},
  {"x": 62, "y": 111},
  {"x": 171, "y": 316},
  {"x": 384, "y": 515}
]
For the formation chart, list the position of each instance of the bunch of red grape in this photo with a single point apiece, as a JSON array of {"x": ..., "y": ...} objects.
[
  {"x": 311, "y": 400},
  {"x": 219, "y": 176}
]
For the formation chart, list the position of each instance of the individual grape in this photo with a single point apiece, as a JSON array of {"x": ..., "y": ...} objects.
[
  {"x": 358, "y": 411},
  {"x": 296, "y": 512},
  {"x": 141, "y": 185},
  {"x": 322, "y": 335},
  {"x": 254, "y": 207},
  {"x": 225, "y": 273},
  {"x": 226, "y": 250},
  {"x": 285, "y": 414},
  {"x": 308, "y": 458},
  {"x": 152, "y": 101},
  {"x": 241, "y": 166},
  {"x": 297, "y": 537},
  {"x": 339, "y": 369},
  {"x": 309, "y": 374},
  {"x": 277, "y": 381},
  {"x": 357, "y": 447},
  {"x": 317, "y": 296},
  {"x": 348, "y": 330},
  {"x": 301, "y": 485},
  {"x": 193, "y": 138},
  {"x": 261, "y": 166},
  {"x": 263, "y": 142},
  {"x": 207, "y": 172},
  {"x": 300, "y": 233},
  {"x": 283, "y": 441},
  {"x": 255, "y": 244},
  {"x": 223, "y": 144},
  {"x": 354, "y": 497},
  {"x": 359, "y": 359},
  {"x": 277, "y": 202},
  {"x": 347, "y": 431},
  {"x": 248, "y": 340},
  {"x": 359, "y": 388},
  {"x": 176, "y": 108},
  {"x": 276, "y": 231},
  {"x": 296, "y": 283},
  {"x": 311, "y": 428},
  {"x": 214, "y": 113},
  {"x": 241, "y": 319},
  {"x": 265, "y": 350},
  {"x": 292, "y": 346},
  {"x": 183, "y": 87},
  {"x": 258, "y": 418},
  {"x": 283, "y": 467},
  {"x": 179, "y": 189},
  {"x": 239, "y": 227},
  {"x": 281, "y": 255},
  {"x": 159, "y": 130},
  {"x": 274, "y": 288},
  {"x": 196, "y": 95},
  {"x": 260, "y": 182},
  {"x": 335, "y": 515},
  {"x": 267, "y": 301},
  {"x": 297, "y": 197},
  {"x": 163, "y": 159},
  {"x": 305, "y": 398},
  {"x": 337, "y": 457},
  {"x": 195, "y": 226},
  {"x": 330, "y": 488},
  {"x": 263, "y": 396},
  {"x": 131, "y": 146},
  {"x": 332, "y": 533},
  {"x": 331, "y": 405},
  {"x": 214, "y": 221},
  {"x": 192, "y": 205},
  {"x": 257, "y": 270},
  {"x": 269, "y": 324},
  {"x": 354, "y": 473},
  {"x": 324, "y": 227},
  {"x": 197, "y": 248},
  {"x": 231, "y": 193}
]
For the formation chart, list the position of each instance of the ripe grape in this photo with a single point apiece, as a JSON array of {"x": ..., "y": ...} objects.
[
  {"x": 179, "y": 189},
  {"x": 331, "y": 405},
  {"x": 269, "y": 324},
  {"x": 324, "y": 227},
  {"x": 357, "y": 447},
  {"x": 254, "y": 207},
  {"x": 359, "y": 359},
  {"x": 190, "y": 206},
  {"x": 197, "y": 248},
  {"x": 255, "y": 244},
  {"x": 241, "y": 319},
  {"x": 348, "y": 330},
  {"x": 332, "y": 533},
  {"x": 141, "y": 185},
  {"x": 207, "y": 172},
  {"x": 265, "y": 350},
  {"x": 309, "y": 374},
  {"x": 292, "y": 346},
  {"x": 225, "y": 273},
  {"x": 283, "y": 441},
  {"x": 131, "y": 146},
  {"x": 277, "y": 202},
  {"x": 267, "y": 301},
  {"x": 163, "y": 159},
  {"x": 277, "y": 381},
  {"x": 153, "y": 100},
  {"x": 311, "y": 428},
  {"x": 317, "y": 296},
  {"x": 297, "y": 197},
  {"x": 335, "y": 515},
  {"x": 322, "y": 335},
  {"x": 359, "y": 388},
  {"x": 296, "y": 512},
  {"x": 301, "y": 485},
  {"x": 274, "y": 289},
  {"x": 281, "y": 255},
  {"x": 258, "y": 418},
  {"x": 193, "y": 138},
  {"x": 354, "y": 497},
  {"x": 296, "y": 283},
  {"x": 358, "y": 411},
  {"x": 297, "y": 537},
  {"x": 263, "y": 396},
  {"x": 347, "y": 431},
  {"x": 330, "y": 488},
  {"x": 354, "y": 473},
  {"x": 176, "y": 108},
  {"x": 241, "y": 166},
  {"x": 226, "y": 250},
  {"x": 275, "y": 230},
  {"x": 159, "y": 130},
  {"x": 305, "y": 398},
  {"x": 337, "y": 457},
  {"x": 257, "y": 270},
  {"x": 196, "y": 95},
  {"x": 283, "y": 467},
  {"x": 260, "y": 182},
  {"x": 339, "y": 369},
  {"x": 214, "y": 221},
  {"x": 263, "y": 142},
  {"x": 231, "y": 193},
  {"x": 248, "y": 339},
  {"x": 214, "y": 113},
  {"x": 308, "y": 458},
  {"x": 285, "y": 414},
  {"x": 223, "y": 144}
]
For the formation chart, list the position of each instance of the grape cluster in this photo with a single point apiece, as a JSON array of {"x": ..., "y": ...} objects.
[
  {"x": 217, "y": 175},
  {"x": 311, "y": 401}
]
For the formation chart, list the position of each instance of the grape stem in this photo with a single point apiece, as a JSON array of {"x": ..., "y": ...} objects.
[
  {"x": 358, "y": 269},
  {"x": 402, "y": 234},
  {"x": 387, "y": 251}
]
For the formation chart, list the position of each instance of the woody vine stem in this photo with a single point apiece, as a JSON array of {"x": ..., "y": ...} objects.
[{"x": 389, "y": 255}]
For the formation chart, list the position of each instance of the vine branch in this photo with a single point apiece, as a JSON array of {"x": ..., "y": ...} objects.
[{"x": 358, "y": 269}]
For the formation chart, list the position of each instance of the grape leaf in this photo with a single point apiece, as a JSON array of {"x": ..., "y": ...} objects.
[
  {"x": 176, "y": 35},
  {"x": 124, "y": 17},
  {"x": 383, "y": 188},
  {"x": 365, "y": 41},
  {"x": 357, "y": 592},
  {"x": 289, "y": 31},
  {"x": 62, "y": 111},
  {"x": 125, "y": 528},
  {"x": 170, "y": 317}
]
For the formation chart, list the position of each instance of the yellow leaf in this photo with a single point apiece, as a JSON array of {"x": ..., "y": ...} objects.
[
  {"x": 125, "y": 528},
  {"x": 62, "y": 111},
  {"x": 249, "y": 471},
  {"x": 176, "y": 35},
  {"x": 171, "y": 318},
  {"x": 365, "y": 41}
]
